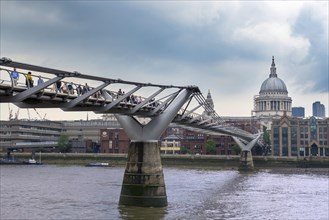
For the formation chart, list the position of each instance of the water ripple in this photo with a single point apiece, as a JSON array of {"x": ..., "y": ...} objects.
[{"x": 53, "y": 192}]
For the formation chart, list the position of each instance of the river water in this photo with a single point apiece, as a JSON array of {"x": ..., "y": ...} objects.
[{"x": 75, "y": 192}]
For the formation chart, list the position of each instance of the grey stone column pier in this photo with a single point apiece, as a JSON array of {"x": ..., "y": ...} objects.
[
  {"x": 246, "y": 161},
  {"x": 143, "y": 181}
]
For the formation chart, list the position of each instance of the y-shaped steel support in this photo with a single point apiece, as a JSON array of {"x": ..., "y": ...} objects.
[
  {"x": 246, "y": 161},
  {"x": 143, "y": 182}
]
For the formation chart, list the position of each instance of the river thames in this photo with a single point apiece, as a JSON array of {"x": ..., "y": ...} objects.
[{"x": 76, "y": 192}]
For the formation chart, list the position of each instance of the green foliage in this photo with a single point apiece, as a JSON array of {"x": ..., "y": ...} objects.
[
  {"x": 266, "y": 136},
  {"x": 185, "y": 151},
  {"x": 62, "y": 143},
  {"x": 236, "y": 149},
  {"x": 211, "y": 146}
]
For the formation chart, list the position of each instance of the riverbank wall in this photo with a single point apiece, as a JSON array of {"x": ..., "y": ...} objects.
[{"x": 209, "y": 161}]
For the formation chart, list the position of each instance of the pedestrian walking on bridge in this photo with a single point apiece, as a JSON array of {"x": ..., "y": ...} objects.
[{"x": 15, "y": 76}]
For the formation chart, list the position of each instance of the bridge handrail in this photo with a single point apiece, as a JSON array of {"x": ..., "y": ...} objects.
[
  {"x": 107, "y": 99},
  {"x": 9, "y": 63},
  {"x": 113, "y": 94}
]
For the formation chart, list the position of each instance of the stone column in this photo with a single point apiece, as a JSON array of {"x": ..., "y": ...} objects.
[
  {"x": 246, "y": 161},
  {"x": 289, "y": 142},
  {"x": 143, "y": 182}
]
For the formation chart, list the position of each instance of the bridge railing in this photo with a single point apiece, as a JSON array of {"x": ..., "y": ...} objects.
[
  {"x": 101, "y": 99},
  {"x": 208, "y": 121},
  {"x": 7, "y": 80},
  {"x": 101, "y": 96}
]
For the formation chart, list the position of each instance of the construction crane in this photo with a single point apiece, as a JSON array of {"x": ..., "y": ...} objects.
[
  {"x": 10, "y": 112},
  {"x": 28, "y": 113},
  {"x": 41, "y": 118},
  {"x": 11, "y": 116},
  {"x": 17, "y": 114}
]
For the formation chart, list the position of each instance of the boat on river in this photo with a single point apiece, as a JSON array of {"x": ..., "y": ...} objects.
[
  {"x": 19, "y": 162},
  {"x": 98, "y": 164},
  {"x": 32, "y": 162}
]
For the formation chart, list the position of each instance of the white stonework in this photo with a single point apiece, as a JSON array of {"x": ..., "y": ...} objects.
[{"x": 273, "y": 99}]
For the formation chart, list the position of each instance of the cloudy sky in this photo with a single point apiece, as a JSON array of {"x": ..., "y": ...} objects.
[{"x": 222, "y": 46}]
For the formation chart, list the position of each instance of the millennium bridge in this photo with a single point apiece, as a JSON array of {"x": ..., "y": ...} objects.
[{"x": 143, "y": 182}]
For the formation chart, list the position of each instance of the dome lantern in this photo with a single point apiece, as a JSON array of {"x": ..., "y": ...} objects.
[
  {"x": 273, "y": 69},
  {"x": 273, "y": 84}
]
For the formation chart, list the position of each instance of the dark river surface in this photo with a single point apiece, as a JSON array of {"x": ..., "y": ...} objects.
[{"x": 76, "y": 192}]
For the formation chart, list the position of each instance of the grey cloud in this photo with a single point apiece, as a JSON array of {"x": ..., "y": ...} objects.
[
  {"x": 137, "y": 42},
  {"x": 312, "y": 29},
  {"x": 124, "y": 30}
]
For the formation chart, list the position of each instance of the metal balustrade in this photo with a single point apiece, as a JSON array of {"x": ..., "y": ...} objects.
[{"x": 102, "y": 99}]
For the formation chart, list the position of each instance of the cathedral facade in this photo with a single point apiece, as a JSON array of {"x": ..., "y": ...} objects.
[{"x": 273, "y": 99}]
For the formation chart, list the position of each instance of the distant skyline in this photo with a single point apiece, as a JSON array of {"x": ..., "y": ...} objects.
[{"x": 221, "y": 46}]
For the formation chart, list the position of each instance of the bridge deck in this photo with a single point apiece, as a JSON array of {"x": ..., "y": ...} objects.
[{"x": 100, "y": 99}]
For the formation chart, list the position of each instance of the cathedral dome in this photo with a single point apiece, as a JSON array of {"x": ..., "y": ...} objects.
[
  {"x": 273, "y": 83},
  {"x": 273, "y": 99}
]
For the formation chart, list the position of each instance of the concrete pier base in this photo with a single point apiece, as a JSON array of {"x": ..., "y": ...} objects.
[
  {"x": 246, "y": 161},
  {"x": 143, "y": 182}
]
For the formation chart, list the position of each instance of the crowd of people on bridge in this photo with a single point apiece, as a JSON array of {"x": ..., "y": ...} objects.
[
  {"x": 77, "y": 89},
  {"x": 133, "y": 99}
]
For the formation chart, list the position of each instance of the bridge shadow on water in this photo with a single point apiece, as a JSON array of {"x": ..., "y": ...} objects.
[
  {"x": 134, "y": 212},
  {"x": 248, "y": 172}
]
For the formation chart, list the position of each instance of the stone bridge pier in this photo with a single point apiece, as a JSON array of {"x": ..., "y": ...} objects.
[
  {"x": 246, "y": 160},
  {"x": 143, "y": 182}
]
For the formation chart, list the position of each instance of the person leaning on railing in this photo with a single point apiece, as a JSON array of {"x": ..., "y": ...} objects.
[
  {"x": 71, "y": 88},
  {"x": 29, "y": 80},
  {"x": 40, "y": 81}
]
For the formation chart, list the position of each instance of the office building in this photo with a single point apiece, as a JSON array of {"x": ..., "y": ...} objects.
[
  {"x": 297, "y": 137},
  {"x": 298, "y": 112},
  {"x": 25, "y": 133},
  {"x": 318, "y": 110}
]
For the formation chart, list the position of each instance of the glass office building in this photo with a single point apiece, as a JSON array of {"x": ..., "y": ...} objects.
[{"x": 292, "y": 137}]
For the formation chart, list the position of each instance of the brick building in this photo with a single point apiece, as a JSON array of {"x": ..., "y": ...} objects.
[{"x": 113, "y": 141}]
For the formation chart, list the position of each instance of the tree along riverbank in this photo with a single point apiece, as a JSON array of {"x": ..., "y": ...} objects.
[{"x": 205, "y": 161}]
